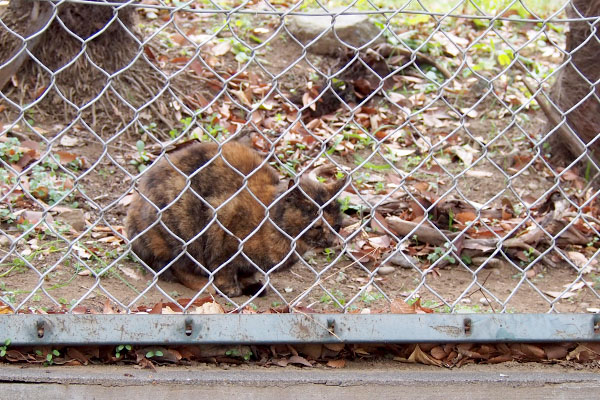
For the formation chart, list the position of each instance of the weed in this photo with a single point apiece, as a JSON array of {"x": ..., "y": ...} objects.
[
  {"x": 338, "y": 298},
  {"x": 154, "y": 353},
  {"x": 49, "y": 357},
  {"x": 143, "y": 159},
  {"x": 6, "y": 177},
  {"x": 238, "y": 354},
  {"x": 10, "y": 150},
  {"x": 7, "y": 216},
  {"x": 329, "y": 253},
  {"x": 49, "y": 185},
  {"x": 438, "y": 253},
  {"x": 370, "y": 297},
  {"x": 3, "y": 348},
  {"x": 241, "y": 51},
  {"x": 105, "y": 173},
  {"x": 345, "y": 205},
  {"x": 24, "y": 227},
  {"x": 530, "y": 253},
  {"x": 151, "y": 127},
  {"x": 119, "y": 349},
  {"x": 411, "y": 162}
]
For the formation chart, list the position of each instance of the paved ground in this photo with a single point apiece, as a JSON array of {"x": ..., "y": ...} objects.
[{"x": 373, "y": 382}]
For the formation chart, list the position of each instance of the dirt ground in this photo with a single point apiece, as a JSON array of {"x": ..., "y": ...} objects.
[{"x": 90, "y": 269}]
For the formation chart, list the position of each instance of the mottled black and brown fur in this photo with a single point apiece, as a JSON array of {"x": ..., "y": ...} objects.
[{"x": 191, "y": 220}]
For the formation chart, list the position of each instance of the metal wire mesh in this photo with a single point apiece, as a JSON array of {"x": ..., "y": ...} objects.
[{"x": 450, "y": 196}]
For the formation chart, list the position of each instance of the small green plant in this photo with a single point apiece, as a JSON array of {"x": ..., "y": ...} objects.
[
  {"x": 186, "y": 122},
  {"x": 105, "y": 173},
  {"x": 379, "y": 187},
  {"x": 141, "y": 162},
  {"x": 438, "y": 253},
  {"x": 151, "y": 127},
  {"x": 4, "y": 347},
  {"x": 49, "y": 357},
  {"x": 47, "y": 184},
  {"x": 530, "y": 253},
  {"x": 6, "y": 177},
  {"x": 154, "y": 353},
  {"x": 338, "y": 297},
  {"x": 7, "y": 216},
  {"x": 10, "y": 150},
  {"x": 119, "y": 349},
  {"x": 375, "y": 167},
  {"x": 329, "y": 253},
  {"x": 242, "y": 52},
  {"x": 25, "y": 226},
  {"x": 411, "y": 162},
  {"x": 370, "y": 297},
  {"x": 346, "y": 205},
  {"x": 238, "y": 354}
]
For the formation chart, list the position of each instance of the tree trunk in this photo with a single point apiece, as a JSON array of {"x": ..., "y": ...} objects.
[
  {"x": 574, "y": 94},
  {"x": 84, "y": 65}
]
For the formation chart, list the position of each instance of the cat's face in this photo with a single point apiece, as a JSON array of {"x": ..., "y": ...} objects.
[{"x": 302, "y": 213}]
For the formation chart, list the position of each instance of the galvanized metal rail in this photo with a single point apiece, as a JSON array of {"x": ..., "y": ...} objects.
[{"x": 70, "y": 329}]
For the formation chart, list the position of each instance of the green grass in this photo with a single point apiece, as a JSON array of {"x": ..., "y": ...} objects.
[{"x": 490, "y": 7}]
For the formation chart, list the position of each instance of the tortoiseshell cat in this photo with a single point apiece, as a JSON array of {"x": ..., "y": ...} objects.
[{"x": 213, "y": 182}]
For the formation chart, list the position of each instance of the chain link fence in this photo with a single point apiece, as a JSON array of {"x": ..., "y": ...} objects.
[{"x": 359, "y": 157}]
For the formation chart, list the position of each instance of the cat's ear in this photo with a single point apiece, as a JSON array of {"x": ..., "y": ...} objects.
[
  {"x": 291, "y": 183},
  {"x": 336, "y": 187}
]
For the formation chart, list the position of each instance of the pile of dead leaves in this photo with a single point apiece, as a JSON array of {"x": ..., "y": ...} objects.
[{"x": 308, "y": 355}]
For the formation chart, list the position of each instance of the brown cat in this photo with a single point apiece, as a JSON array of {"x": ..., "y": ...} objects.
[{"x": 209, "y": 217}]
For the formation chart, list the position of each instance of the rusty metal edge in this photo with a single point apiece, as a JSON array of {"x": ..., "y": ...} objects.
[{"x": 70, "y": 329}]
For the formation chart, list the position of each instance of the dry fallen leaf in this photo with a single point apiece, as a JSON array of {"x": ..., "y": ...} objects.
[
  {"x": 68, "y": 141},
  {"x": 221, "y": 48},
  {"x": 5, "y": 310},
  {"x": 126, "y": 200},
  {"x": 130, "y": 272},
  {"x": 341, "y": 363},
  {"x": 418, "y": 356},
  {"x": 208, "y": 308},
  {"x": 399, "y": 306},
  {"x": 81, "y": 252},
  {"x": 299, "y": 360},
  {"x": 559, "y": 295}
]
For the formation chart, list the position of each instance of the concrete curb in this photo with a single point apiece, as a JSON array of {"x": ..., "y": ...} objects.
[{"x": 110, "y": 382}]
